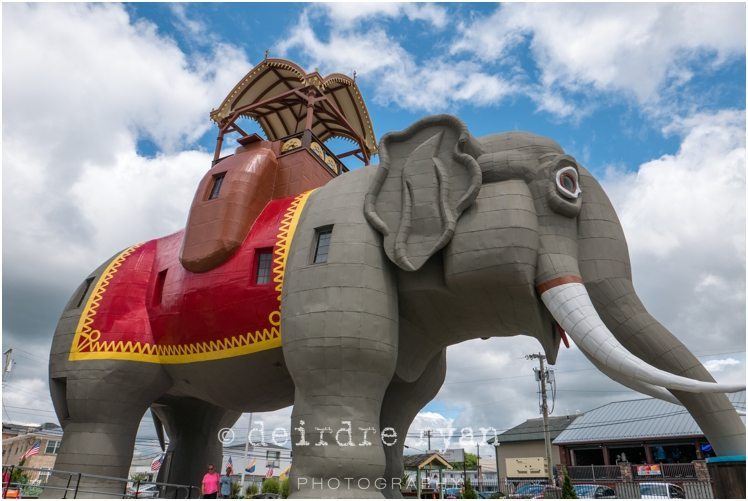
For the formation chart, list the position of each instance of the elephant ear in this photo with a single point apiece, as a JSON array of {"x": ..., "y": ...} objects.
[{"x": 428, "y": 175}]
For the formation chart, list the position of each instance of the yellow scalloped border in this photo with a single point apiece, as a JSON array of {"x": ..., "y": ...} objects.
[{"x": 265, "y": 339}]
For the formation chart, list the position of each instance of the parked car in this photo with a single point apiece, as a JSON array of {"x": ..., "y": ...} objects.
[
  {"x": 594, "y": 491},
  {"x": 661, "y": 490},
  {"x": 148, "y": 491},
  {"x": 452, "y": 492},
  {"x": 537, "y": 491}
]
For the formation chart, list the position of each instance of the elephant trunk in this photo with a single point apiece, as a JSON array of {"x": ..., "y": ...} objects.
[
  {"x": 621, "y": 309},
  {"x": 603, "y": 262}
]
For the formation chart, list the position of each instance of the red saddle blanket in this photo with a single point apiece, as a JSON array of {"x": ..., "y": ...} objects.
[{"x": 145, "y": 306}]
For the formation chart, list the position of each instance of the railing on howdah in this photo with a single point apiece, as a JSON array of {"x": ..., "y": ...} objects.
[{"x": 25, "y": 482}]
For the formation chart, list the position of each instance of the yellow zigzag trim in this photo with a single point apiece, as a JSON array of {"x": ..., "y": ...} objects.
[
  {"x": 83, "y": 334},
  {"x": 88, "y": 339},
  {"x": 286, "y": 231}
]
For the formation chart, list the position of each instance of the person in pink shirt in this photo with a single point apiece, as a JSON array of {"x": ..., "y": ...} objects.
[{"x": 210, "y": 483}]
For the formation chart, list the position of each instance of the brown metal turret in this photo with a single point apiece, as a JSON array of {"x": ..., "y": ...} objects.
[{"x": 297, "y": 112}]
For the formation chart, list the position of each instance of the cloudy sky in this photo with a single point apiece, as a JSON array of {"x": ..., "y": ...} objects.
[{"x": 105, "y": 110}]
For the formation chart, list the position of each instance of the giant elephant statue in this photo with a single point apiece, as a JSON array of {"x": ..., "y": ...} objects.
[{"x": 377, "y": 272}]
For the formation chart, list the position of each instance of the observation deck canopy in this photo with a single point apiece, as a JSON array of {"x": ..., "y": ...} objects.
[{"x": 286, "y": 101}]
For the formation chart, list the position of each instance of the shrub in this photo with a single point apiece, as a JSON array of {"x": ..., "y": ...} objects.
[
  {"x": 567, "y": 490},
  {"x": 469, "y": 492},
  {"x": 270, "y": 485},
  {"x": 285, "y": 487},
  {"x": 251, "y": 490}
]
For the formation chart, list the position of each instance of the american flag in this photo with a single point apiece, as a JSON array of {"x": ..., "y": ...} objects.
[
  {"x": 156, "y": 463},
  {"x": 33, "y": 451},
  {"x": 269, "y": 473}
]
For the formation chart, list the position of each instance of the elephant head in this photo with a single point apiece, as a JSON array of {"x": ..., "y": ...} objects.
[{"x": 441, "y": 191}]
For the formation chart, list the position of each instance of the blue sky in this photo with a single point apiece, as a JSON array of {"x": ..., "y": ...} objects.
[
  {"x": 105, "y": 106},
  {"x": 586, "y": 133}
]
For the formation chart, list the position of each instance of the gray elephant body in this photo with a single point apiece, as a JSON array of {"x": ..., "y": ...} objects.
[{"x": 449, "y": 239}]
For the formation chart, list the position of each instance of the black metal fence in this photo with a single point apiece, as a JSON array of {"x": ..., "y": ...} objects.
[
  {"x": 25, "y": 482},
  {"x": 600, "y": 489}
]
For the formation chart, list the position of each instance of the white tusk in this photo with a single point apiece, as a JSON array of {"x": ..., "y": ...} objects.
[
  {"x": 572, "y": 308},
  {"x": 635, "y": 384}
]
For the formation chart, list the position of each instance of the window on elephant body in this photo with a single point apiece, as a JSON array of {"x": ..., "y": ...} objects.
[
  {"x": 83, "y": 290},
  {"x": 322, "y": 248},
  {"x": 264, "y": 266},
  {"x": 215, "y": 190}
]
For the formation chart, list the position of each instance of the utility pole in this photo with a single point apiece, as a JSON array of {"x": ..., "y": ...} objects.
[
  {"x": 480, "y": 482},
  {"x": 246, "y": 445},
  {"x": 496, "y": 451},
  {"x": 542, "y": 376},
  {"x": 7, "y": 363},
  {"x": 428, "y": 434}
]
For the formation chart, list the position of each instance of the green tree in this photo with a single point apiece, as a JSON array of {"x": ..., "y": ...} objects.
[
  {"x": 139, "y": 477},
  {"x": 270, "y": 485},
  {"x": 567, "y": 490},
  {"x": 469, "y": 492},
  {"x": 285, "y": 487},
  {"x": 471, "y": 463}
]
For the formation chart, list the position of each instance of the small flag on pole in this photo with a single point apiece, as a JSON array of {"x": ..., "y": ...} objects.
[
  {"x": 269, "y": 473},
  {"x": 33, "y": 451},
  {"x": 156, "y": 463},
  {"x": 284, "y": 474},
  {"x": 250, "y": 466},
  {"x": 229, "y": 466}
]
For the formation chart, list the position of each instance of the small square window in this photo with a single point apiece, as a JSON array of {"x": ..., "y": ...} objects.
[
  {"x": 84, "y": 290},
  {"x": 264, "y": 266},
  {"x": 159, "y": 290},
  {"x": 216, "y": 188},
  {"x": 324, "y": 235}
]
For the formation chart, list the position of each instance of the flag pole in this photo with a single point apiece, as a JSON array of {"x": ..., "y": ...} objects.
[{"x": 246, "y": 449}]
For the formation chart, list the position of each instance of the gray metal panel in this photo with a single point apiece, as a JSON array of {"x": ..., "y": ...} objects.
[
  {"x": 532, "y": 429},
  {"x": 633, "y": 420}
]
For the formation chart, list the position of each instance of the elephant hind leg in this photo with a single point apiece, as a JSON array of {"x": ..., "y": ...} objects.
[
  {"x": 100, "y": 407},
  {"x": 193, "y": 427},
  {"x": 401, "y": 404}
]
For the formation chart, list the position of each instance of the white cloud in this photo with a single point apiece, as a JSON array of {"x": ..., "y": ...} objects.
[
  {"x": 634, "y": 48},
  {"x": 684, "y": 219},
  {"x": 348, "y": 13},
  {"x": 720, "y": 364},
  {"x": 88, "y": 83},
  {"x": 379, "y": 59}
]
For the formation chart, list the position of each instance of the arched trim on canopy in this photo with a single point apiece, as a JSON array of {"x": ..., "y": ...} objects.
[{"x": 279, "y": 95}]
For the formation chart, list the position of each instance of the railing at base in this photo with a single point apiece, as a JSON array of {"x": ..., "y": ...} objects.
[
  {"x": 69, "y": 485},
  {"x": 530, "y": 488}
]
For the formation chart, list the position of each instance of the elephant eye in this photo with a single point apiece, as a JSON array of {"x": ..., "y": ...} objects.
[{"x": 567, "y": 182}]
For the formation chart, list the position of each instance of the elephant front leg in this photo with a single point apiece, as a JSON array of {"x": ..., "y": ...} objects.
[
  {"x": 193, "y": 428},
  {"x": 341, "y": 373},
  {"x": 402, "y": 402}
]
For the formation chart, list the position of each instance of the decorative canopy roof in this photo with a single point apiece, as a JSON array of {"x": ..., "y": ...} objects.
[{"x": 276, "y": 93}]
